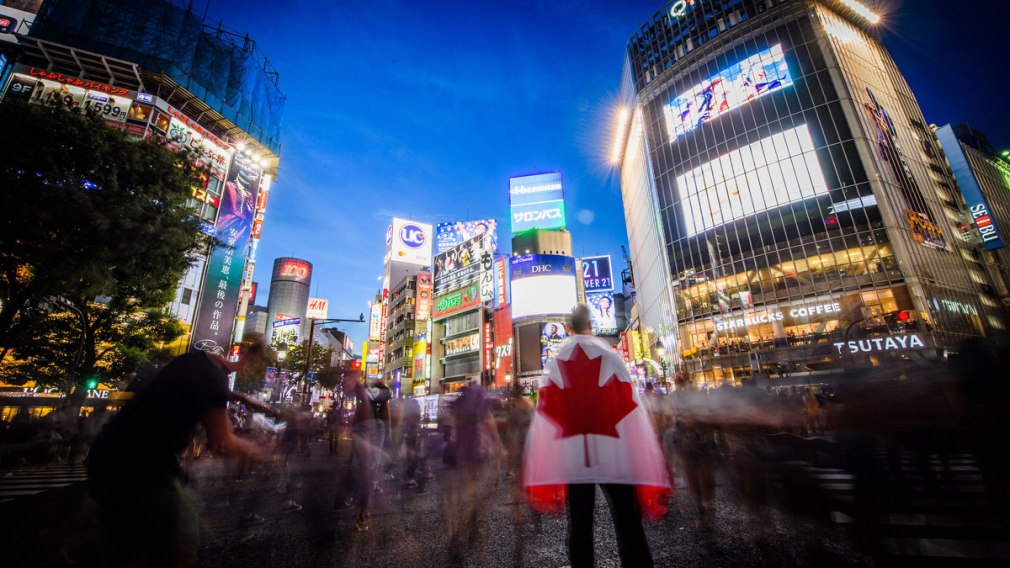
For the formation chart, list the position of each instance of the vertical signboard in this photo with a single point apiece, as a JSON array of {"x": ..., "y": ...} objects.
[
  {"x": 486, "y": 276},
  {"x": 978, "y": 206},
  {"x": 215, "y": 318},
  {"x": 597, "y": 275},
  {"x": 636, "y": 344},
  {"x": 500, "y": 282},
  {"x": 375, "y": 322},
  {"x": 423, "y": 302},
  {"x": 537, "y": 202},
  {"x": 624, "y": 348},
  {"x": 488, "y": 346},
  {"x": 502, "y": 346}
]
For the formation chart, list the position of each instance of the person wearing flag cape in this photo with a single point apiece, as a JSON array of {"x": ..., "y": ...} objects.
[{"x": 591, "y": 428}]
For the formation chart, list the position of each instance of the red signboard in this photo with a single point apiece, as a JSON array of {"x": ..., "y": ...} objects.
[
  {"x": 624, "y": 347},
  {"x": 487, "y": 346},
  {"x": 90, "y": 85},
  {"x": 296, "y": 269},
  {"x": 423, "y": 302},
  {"x": 502, "y": 346},
  {"x": 500, "y": 282}
]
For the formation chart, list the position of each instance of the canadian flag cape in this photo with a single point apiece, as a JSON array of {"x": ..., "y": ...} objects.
[{"x": 590, "y": 426}]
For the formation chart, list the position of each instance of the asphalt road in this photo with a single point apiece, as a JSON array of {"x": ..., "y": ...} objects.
[{"x": 59, "y": 527}]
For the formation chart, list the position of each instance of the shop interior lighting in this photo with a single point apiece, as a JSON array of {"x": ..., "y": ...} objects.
[
  {"x": 862, "y": 11},
  {"x": 622, "y": 124}
]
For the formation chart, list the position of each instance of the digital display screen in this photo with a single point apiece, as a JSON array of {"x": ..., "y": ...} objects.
[
  {"x": 731, "y": 88},
  {"x": 449, "y": 235},
  {"x": 602, "y": 312},
  {"x": 537, "y": 202},
  {"x": 542, "y": 284},
  {"x": 770, "y": 173}
]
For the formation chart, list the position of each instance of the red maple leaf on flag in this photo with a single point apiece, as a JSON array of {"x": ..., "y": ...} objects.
[{"x": 584, "y": 407}]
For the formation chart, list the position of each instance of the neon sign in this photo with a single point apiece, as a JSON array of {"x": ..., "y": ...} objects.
[{"x": 679, "y": 8}]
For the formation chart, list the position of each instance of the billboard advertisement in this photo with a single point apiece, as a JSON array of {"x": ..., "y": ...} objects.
[
  {"x": 978, "y": 206},
  {"x": 375, "y": 322},
  {"x": 49, "y": 87},
  {"x": 318, "y": 308},
  {"x": 486, "y": 276},
  {"x": 537, "y": 202},
  {"x": 411, "y": 242},
  {"x": 542, "y": 284},
  {"x": 601, "y": 310},
  {"x": 748, "y": 80},
  {"x": 552, "y": 335},
  {"x": 422, "y": 308},
  {"x": 448, "y": 235},
  {"x": 596, "y": 274},
  {"x": 767, "y": 174},
  {"x": 502, "y": 346},
  {"x": 458, "y": 266},
  {"x": 456, "y": 302},
  {"x": 215, "y": 317},
  {"x": 501, "y": 288}
]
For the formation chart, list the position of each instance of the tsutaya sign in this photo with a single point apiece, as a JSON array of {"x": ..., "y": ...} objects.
[
  {"x": 889, "y": 343},
  {"x": 806, "y": 310}
]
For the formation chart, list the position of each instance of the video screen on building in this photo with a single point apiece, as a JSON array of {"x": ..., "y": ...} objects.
[
  {"x": 770, "y": 173},
  {"x": 449, "y": 235},
  {"x": 762, "y": 73},
  {"x": 458, "y": 266},
  {"x": 602, "y": 312},
  {"x": 537, "y": 202},
  {"x": 542, "y": 284}
]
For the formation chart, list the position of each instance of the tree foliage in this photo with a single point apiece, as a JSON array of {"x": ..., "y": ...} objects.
[{"x": 95, "y": 235}]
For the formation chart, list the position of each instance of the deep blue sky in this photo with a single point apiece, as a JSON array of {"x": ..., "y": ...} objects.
[{"x": 423, "y": 109}]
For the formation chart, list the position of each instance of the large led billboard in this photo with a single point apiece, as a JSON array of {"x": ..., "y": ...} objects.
[
  {"x": 410, "y": 242},
  {"x": 542, "y": 285},
  {"x": 978, "y": 206},
  {"x": 762, "y": 73},
  {"x": 602, "y": 312},
  {"x": 537, "y": 202},
  {"x": 770, "y": 173},
  {"x": 458, "y": 266},
  {"x": 449, "y": 235},
  {"x": 596, "y": 273}
]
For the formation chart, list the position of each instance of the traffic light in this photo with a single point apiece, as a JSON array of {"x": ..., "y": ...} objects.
[
  {"x": 903, "y": 316},
  {"x": 91, "y": 382},
  {"x": 356, "y": 364}
]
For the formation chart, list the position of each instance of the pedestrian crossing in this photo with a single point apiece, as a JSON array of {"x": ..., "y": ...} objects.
[{"x": 27, "y": 481}]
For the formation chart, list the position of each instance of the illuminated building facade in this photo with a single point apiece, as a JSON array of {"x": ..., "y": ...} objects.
[
  {"x": 214, "y": 95},
  {"x": 784, "y": 195},
  {"x": 983, "y": 176}
]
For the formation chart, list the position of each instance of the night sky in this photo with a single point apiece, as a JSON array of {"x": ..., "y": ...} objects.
[{"x": 424, "y": 109}]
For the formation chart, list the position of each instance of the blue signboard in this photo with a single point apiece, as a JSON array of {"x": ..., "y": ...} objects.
[
  {"x": 978, "y": 207},
  {"x": 528, "y": 265},
  {"x": 537, "y": 202},
  {"x": 596, "y": 274}
]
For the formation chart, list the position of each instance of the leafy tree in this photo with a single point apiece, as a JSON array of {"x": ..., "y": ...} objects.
[
  {"x": 90, "y": 213},
  {"x": 251, "y": 378}
]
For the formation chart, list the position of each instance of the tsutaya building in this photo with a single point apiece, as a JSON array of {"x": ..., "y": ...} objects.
[{"x": 784, "y": 195}]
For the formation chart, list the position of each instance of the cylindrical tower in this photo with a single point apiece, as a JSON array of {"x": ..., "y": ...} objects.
[{"x": 288, "y": 300}]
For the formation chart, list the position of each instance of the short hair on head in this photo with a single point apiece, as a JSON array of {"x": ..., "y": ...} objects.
[{"x": 581, "y": 321}]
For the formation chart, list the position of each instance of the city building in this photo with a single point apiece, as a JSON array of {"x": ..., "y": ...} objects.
[
  {"x": 288, "y": 301},
  {"x": 461, "y": 335},
  {"x": 256, "y": 321},
  {"x": 394, "y": 326},
  {"x": 983, "y": 176},
  {"x": 110, "y": 56},
  {"x": 806, "y": 216},
  {"x": 544, "y": 278}
]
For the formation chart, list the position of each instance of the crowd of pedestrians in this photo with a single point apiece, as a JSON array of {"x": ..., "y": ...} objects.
[{"x": 589, "y": 431}]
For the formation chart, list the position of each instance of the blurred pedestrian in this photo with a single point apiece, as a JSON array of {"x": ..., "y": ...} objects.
[
  {"x": 368, "y": 435},
  {"x": 134, "y": 467},
  {"x": 591, "y": 428},
  {"x": 411, "y": 418}
]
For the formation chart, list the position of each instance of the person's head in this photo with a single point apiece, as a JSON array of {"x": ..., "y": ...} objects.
[
  {"x": 581, "y": 322},
  {"x": 252, "y": 352},
  {"x": 350, "y": 378},
  {"x": 605, "y": 302},
  {"x": 554, "y": 329}
]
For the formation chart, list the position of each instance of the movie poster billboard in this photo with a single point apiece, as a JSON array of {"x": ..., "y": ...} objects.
[
  {"x": 449, "y": 235},
  {"x": 458, "y": 266},
  {"x": 552, "y": 335},
  {"x": 215, "y": 317},
  {"x": 602, "y": 313}
]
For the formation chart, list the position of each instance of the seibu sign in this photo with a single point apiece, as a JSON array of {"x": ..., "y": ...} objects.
[
  {"x": 875, "y": 344},
  {"x": 803, "y": 311}
]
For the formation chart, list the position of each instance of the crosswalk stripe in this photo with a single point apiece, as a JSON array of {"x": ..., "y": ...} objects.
[
  {"x": 27, "y": 481},
  {"x": 18, "y": 493}
]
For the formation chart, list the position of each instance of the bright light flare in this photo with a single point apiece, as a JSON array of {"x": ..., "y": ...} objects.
[
  {"x": 622, "y": 127},
  {"x": 862, "y": 11}
]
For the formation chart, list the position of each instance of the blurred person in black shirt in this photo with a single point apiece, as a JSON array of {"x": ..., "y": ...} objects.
[{"x": 134, "y": 467}]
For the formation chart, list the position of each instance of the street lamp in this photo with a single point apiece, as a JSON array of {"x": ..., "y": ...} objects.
[
  {"x": 313, "y": 322},
  {"x": 282, "y": 351}
]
